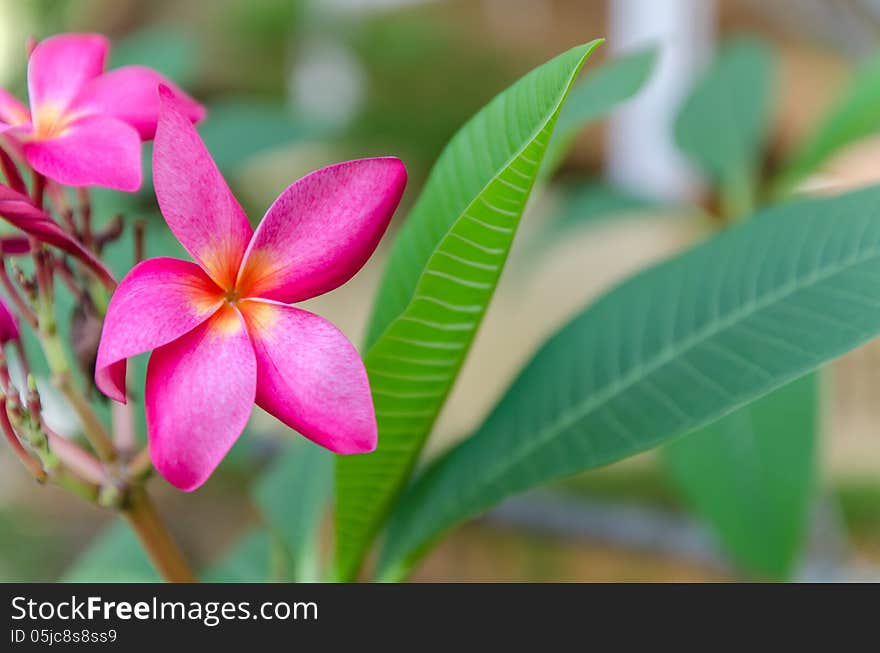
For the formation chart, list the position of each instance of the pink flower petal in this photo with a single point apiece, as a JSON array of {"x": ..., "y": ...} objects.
[
  {"x": 12, "y": 110},
  {"x": 19, "y": 211},
  {"x": 131, "y": 95},
  {"x": 322, "y": 229},
  {"x": 92, "y": 151},
  {"x": 60, "y": 66},
  {"x": 195, "y": 200},
  {"x": 199, "y": 394},
  {"x": 8, "y": 324},
  {"x": 160, "y": 300},
  {"x": 311, "y": 377}
]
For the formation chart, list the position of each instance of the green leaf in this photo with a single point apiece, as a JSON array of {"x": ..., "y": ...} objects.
[
  {"x": 854, "y": 116},
  {"x": 597, "y": 94},
  {"x": 443, "y": 269},
  {"x": 293, "y": 496},
  {"x": 115, "y": 556},
  {"x": 751, "y": 475},
  {"x": 666, "y": 352},
  {"x": 248, "y": 561},
  {"x": 723, "y": 122}
]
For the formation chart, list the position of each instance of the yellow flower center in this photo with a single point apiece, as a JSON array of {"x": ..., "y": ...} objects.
[{"x": 49, "y": 122}]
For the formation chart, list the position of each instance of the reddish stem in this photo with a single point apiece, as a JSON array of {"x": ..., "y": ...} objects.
[
  {"x": 139, "y": 237},
  {"x": 38, "y": 189},
  {"x": 13, "y": 176},
  {"x": 59, "y": 200},
  {"x": 43, "y": 270},
  {"x": 85, "y": 210},
  {"x": 79, "y": 461},
  {"x": 67, "y": 277},
  {"x": 109, "y": 232}
]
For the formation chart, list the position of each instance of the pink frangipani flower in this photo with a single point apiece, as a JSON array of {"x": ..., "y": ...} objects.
[
  {"x": 223, "y": 332},
  {"x": 84, "y": 126}
]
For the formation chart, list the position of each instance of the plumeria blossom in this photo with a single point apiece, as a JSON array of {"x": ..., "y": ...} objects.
[
  {"x": 85, "y": 126},
  {"x": 222, "y": 331}
]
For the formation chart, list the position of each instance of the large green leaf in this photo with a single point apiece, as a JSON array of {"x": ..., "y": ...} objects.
[
  {"x": 751, "y": 475},
  {"x": 443, "y": 270},
  {"x": 724, "y": 120},
  {"x": 664, "y": 353},
  {"x": 600, "y": 91},
  {"x": 293, "y": 497},
  {"x": 854, "y": 116}
]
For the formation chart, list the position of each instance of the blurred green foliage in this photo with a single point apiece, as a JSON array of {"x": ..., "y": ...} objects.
[
  {"x": 601, "y": 90},
  {"x": 425, "y": 79},
  {"x": 32, "y": 548},
  {"x": 293, "y": 495},
  {"x": 723, "y": 123},
  {"x": 238, "y": 128},
  {"x": 752, "y": 476},
  {"x": 853, "y": 116},
  {"x": 115, "y": 556},
  {"x": 169, "y": 49},
  {"x": 248, "y": 561},
  {"x": 591, "y": 202}
]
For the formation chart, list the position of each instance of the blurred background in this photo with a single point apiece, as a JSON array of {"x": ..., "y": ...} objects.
[{"x": 294, "y": 85}]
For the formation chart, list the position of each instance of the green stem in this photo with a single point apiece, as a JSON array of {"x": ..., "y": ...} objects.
[
  {"x": 141, "y": 466},
  {"x": 65, "y": 479},
  {"x": 62, "y": 376}
]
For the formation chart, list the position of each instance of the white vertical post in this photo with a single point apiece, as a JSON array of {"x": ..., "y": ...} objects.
[{"x": 642, "y": 156}]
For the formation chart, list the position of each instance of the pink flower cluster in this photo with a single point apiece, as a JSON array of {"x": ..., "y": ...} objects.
[
  {"x": 222, "y": 330},
  {"x": 85, "y": 126}
]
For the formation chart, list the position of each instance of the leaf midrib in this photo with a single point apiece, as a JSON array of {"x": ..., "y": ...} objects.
[{"x": 639, "y": 372}]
